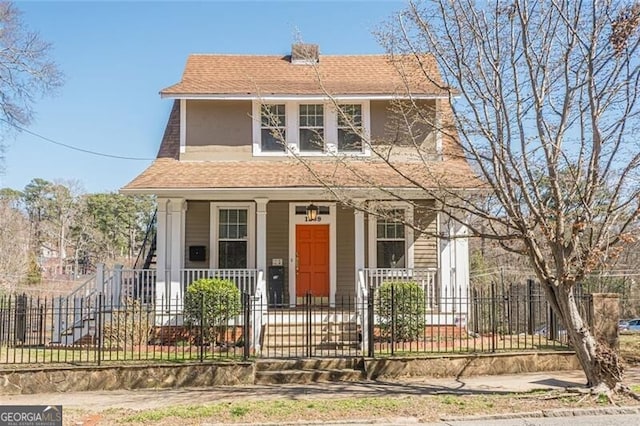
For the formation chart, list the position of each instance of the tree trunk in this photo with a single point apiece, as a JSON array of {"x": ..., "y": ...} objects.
[{"x": 600, "y": 363}]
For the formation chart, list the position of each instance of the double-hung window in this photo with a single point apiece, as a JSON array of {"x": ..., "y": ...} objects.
[
  {"x": 391, "y": 240},
  {"x": 350, "y": 128},
  {"x": 311, "y": 127},
  {"x": 273, "y": 127},
  {"x": 233, "y": 238}
]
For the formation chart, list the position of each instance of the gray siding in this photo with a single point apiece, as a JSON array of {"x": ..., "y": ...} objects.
[
  {"x": 220, "y": 123},
  {"x": 278, "y": 237},
  {"x": 197, "y": 231},
  {"x": 425, "y": 243},
  {"x": 345, "y": 252}
]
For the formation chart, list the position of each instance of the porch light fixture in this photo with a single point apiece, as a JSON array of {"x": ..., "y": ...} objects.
[{"x": 312, "y": 213}]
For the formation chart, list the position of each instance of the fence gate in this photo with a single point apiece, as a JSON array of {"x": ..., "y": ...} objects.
[{"x": 312, "y": 329}]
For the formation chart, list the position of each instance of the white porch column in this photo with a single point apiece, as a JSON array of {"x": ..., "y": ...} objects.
[
  {"x": 454, "y": 267},
  {"x": 362, "y": 296},
  {"x": 359, "y": 241},
  {"x": 162, "y": 235},
  {"x": 261, "y": 234},
  {"x": 175, "y": 249}
]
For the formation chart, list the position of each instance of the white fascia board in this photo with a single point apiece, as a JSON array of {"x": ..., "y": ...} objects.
[{"x": 284, "y": 98}]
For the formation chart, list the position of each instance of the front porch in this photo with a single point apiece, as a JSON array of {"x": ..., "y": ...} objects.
[{"x": 273, "y": 248}]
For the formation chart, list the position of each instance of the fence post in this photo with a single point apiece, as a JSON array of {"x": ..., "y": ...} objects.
[
  {"x": 308, "y": 307},
  {"x": 370, "y": 330},
  {"x": 393, "y": 318},
  {"x": 202, "y": 319},
  {"x": 99, "y": 325},
  {"x": 246, "y": 300},
  {"x": 41, "y": 322},
  {"x": 531, "y": 320},
  {"x": 20, "y": 320},
  {"x": 493, "y": 317}
]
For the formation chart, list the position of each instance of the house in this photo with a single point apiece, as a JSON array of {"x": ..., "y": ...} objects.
[{"x": 270, "y": 173}]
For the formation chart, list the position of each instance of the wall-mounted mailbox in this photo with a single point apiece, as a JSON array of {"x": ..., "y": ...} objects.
[
  {"x": 275, "y": 286},
  {"x": 197, "y": 253}
]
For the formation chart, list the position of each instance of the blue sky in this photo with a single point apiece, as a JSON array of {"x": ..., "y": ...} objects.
[{"x": 117, "y": 56}]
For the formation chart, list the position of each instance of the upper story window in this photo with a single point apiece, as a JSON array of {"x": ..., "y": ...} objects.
[
  {"x": 273, "y": 130},
  {"x": 350, "y": 127},
  {"x": 311, "y": 127}
]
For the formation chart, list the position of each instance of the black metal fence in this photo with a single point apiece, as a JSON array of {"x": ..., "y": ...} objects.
[{"x": 396, "y": 320}]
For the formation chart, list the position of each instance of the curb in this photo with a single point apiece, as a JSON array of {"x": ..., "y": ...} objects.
[
  {"x": 560, "y": 412},
  {"x": 382, "y": 421}
]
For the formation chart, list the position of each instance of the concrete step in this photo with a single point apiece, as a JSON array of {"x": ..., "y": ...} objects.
[
  {"x": 316, "y": 341},
  {"x": 323, "y": 320},
  {"x": 317, "y": 344},
  {"x": 281, "y": 334},
  {"x": 309, "y": 364},
  {"x": 302, "y": 352},
  {"x": 308, "y": 376},
  {"x": 315, "y": 328}
]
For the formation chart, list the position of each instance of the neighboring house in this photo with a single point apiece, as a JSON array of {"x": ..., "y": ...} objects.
[{"x": 244, "y": 182}]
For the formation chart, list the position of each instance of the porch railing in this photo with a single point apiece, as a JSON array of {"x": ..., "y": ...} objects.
[
  {"x": 245, "y": 279},
  {"x": 426, "y": 278}
]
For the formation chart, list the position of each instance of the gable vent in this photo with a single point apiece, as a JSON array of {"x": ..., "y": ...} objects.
[{"x": 304, "y": 54}]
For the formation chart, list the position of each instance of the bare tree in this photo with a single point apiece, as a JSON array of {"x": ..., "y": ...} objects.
[
  {"x": 544, "y": 106},
  {"x": 26, "y": 70},
  {"x": 14, "y": 245}
]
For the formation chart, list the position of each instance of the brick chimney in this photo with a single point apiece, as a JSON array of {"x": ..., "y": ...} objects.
[{"x": 305, "y": 54}]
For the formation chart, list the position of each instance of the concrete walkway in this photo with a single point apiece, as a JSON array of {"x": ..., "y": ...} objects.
[{"x": 153, "y": 398}]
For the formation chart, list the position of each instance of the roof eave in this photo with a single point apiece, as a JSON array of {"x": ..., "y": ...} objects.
[
  {"x": 285, "y": 193},
  {"x": 286, "y": 97}
]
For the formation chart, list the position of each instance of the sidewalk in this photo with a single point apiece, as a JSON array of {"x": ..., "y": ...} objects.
[{"x": 153, "y": 398}]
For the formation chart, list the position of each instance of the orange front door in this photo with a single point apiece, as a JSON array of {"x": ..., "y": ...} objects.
[{"x": 312, "y": 251}]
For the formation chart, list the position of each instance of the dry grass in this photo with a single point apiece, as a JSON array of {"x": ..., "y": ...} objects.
[
  {"x": 630, "y": 347},
  {"x": 428, "y": 408}
]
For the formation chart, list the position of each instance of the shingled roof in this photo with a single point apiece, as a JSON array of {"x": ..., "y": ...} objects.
[
  {"x": 252, "y": 75},
  {"x": 246, "y": 75},
  {"x": 167, "y": 173}
]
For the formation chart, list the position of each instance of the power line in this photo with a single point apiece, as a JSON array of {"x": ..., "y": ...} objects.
[{"x": 75, "y": 148}]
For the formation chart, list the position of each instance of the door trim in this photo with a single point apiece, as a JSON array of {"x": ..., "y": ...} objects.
[{"x": 299, "y": 220}]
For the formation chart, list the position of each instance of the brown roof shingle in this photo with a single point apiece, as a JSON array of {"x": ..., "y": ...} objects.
[
  {"x": 255, "y": 75},
  {"x": 167, "y": 173}
]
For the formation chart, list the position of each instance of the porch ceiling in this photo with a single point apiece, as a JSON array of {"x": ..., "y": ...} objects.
[{"x": 170, "y": 174}]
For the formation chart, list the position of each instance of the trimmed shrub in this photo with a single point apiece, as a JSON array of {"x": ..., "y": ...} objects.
[
  {"x": 211, "y": 303},
  {"x": 401, "y": 311}
]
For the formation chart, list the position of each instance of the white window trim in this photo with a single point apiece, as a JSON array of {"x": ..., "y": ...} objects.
[
  {"x": 251, "y": 231},
  {"x": 408, "y": 233},
  {"x": 366, "y": 149},
  {"x": 256, "y": 111},
  {"x": 292, "y": 134},
  {"x": 324, "y": 129}
]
